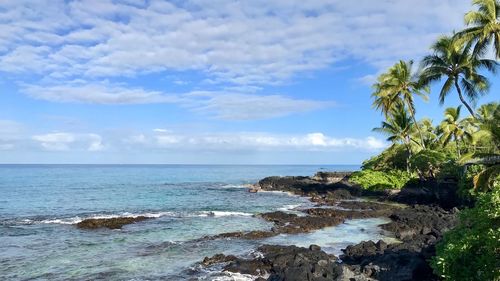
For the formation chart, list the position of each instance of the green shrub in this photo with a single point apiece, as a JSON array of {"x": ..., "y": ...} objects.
[
  {"x": 377, "y": 180},
  {"x": 471, "y": 251},
  {"x": 427, "y": 162},
  {"x": 393, "y": 158},
  {"x": 466, "y": 182}
]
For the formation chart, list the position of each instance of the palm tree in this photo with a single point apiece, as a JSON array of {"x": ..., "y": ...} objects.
[
  {"x": 398, "y": 128},
  {"x": 455, "y": 62},
  {"x": 383, "y": 99},
  {"x": 429, "y": 132},
  {"x": 401, "y": 83},
  {"x": 488, "y": 125},
  {"x": 484, "y": 26},
  {"x": 454, "y": 128}
]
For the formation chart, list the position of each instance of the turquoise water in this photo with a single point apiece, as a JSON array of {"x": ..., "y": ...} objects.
[{"x": 40, "y": 203}]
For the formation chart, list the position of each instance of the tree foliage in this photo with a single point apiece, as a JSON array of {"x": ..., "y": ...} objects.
[{"x": 471, "y": 251}]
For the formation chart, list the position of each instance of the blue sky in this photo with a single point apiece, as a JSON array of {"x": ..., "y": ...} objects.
[{"x": 206, "y": 82}]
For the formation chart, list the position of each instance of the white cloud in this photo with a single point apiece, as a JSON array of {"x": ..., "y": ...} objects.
[
  {"x": 220, "y": 105},
  {"x": 69, "y": 141},
  {"x": 97, "y": 94},
  {"x": 243, "y": 43},
  {"x": 235, "y": 106},
  {"x": 255, "y": 141},
  {"x": 55, "y": 141}
]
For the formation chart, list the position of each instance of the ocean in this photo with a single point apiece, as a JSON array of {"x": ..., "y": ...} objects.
[{"x": 39, "y": 205}]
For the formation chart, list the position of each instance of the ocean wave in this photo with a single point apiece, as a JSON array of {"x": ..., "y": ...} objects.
[
  {"x": 77, "y": 219},
  {"x": 234, "y": 276},
  {"x": 290, "y": 207},
  {"x": 231, "y": 186},
  {"x": 224, "y": 214}
]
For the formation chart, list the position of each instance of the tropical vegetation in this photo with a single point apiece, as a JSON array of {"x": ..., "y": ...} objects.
[{"x": 464, "y": 146}]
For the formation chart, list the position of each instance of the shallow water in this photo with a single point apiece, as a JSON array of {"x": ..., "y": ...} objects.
[{"x": 39, "y": 204}]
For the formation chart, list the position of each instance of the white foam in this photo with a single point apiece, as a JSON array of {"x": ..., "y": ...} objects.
[
  {"x": 289, "y": 207},
  {"x": 230, "y": 276},
  {"x": 291, "y": 194},
  {"x": 223, "y": 214},
  {"x": 77, "y": 219},
  {"x": 234, "y": 186}
]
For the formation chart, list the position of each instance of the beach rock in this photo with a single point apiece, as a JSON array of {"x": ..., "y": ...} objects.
[
  {"x": 367, "y": 205},
  {"x": 218, "y": 258},
  {"x": 430, "y": 192},
  {"x": 331, "y": 177},
  {"x": 250, "y": 235},
  {"x": 111, "y": 223},
  {"x": 419, "y": 227},
  {"x": 289, "y": 263},
  {"x": 420, "y": 220},
  {"x": 395, "y": 263},
  {"x": 348, "y": 214},
  {"x": 291, "y": 223}
]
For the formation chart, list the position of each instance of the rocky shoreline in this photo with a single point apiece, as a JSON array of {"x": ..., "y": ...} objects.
[{"x": 418, "y": 225}]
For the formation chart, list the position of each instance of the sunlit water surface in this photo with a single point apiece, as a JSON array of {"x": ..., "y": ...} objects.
[{"x": 39, "y": 205}]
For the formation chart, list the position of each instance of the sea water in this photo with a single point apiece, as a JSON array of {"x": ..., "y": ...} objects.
[{"x": 39, "y": 205}]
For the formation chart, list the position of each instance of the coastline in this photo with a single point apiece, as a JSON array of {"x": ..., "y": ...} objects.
[{"x": 417, "y": 226}]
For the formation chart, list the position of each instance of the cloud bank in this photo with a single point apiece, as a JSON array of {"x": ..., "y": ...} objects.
[{"x": 231, "y": 45}]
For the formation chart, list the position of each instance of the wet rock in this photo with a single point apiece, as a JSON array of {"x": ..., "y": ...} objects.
[
  {"x": 314, "y": 248},
  {"x": 250, "y": 235},
  {"x": 289, "y": 263},
  {"x": 419, "y": 227},
  {"x": 291, "y": 223},
  {"x": 218, "y": 258},
  {"x": 420, "y": 219},
  {"x": 111, "y": 223},
  {"x": 252, "y": 267}
]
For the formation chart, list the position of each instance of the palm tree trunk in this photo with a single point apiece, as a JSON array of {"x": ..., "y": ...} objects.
[
  {"x": 408, "y": 148},
  {"x": 463, "y": 100},
  {"x": 418, "y": 127},
  {"x": 458, "y": 146}
]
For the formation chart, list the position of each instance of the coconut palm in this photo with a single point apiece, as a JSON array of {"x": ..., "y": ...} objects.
[
  {"x": 455, "y": 63},
  {"x": 384, "y": 100},
  {"x": 398, "y": 128},
  {"x": 488, "y": 124},
  {"x": 399, "y": 85},
  {"x": 429, "y": 132},
  {"x": 483, "y": 26},
  {"x": 455, "y": 128}
]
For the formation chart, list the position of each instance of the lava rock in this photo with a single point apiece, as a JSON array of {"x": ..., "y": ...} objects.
[{"x": 111, "y": 223}]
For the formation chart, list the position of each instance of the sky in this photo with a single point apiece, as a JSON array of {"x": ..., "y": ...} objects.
[{"x": 207, "y": 82}]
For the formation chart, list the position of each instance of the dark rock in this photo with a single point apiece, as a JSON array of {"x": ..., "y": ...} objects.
[
  {"x": 250, "y": 235},
  {"x": 218, "y": 258},
  {"x": 291, "y": 223},
  {"x": 111, "y": 223},
  {"x": 289, "y": 263},
  {"x": 420, "y": 219},
  {"x": 252, "y": 267},
  {"x": 443, "y": 194},
  {"x": 313, "y": 187},
  {"x": 368, "y": 205},
  {"x": 419, "y": 227},
  {"x": 331, "y": 177},
  {"x": 314, "y": 248}
]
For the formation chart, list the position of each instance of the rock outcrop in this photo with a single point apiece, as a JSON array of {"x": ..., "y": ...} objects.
[
  {"x": 111, "y": 223},
  {"x": 289, "y": 263}
]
